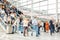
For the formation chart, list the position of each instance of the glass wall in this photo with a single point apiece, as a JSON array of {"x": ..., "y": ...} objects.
[
  {"x": 40, "y": 5},
  {"x": 47, "y": 6},
  {"x": 44, "y": 6}
]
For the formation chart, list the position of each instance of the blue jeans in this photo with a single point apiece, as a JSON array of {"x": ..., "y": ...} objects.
[
  {"x": 35, "y": 27},
  {"x": 21, "y": 28},
  {"x": 15, "y": 28},
  {"x": 51, "y": 31},
  {"x": 12, "y": 29},
  {"x": 39, "y": 30}
]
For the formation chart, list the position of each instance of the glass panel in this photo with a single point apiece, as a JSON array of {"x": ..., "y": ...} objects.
[
  {"x": 58, "y": 0},
  {"x": 29, "y": 2},
  {"x": 44, "y": 11},
  {"x": 43, "y": 3},
  {"x": 24, "y": 3},
  {"x": 36, "y": 5},
  {"x": 52, "y": 11},
  {"x": 24, "y": 0},
  {"x": 29, "y": 6},
  {"x": 25, "y": 6},
  {"x": 20, "y": 1},
  {"x": 58, "y": 5},
  {"x": 52, "y": 1},
  {"x": 36, "y": 8},
  {"x": 43, "y": 8},
  {"x": 58, "y": 10},
  {"x": 36, "y": 1},
  {"x": 52, "y": 6}
]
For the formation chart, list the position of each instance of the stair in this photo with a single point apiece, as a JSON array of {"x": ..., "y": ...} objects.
[{"x": 1, "y": 30}]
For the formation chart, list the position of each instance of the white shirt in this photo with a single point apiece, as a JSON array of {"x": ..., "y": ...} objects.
[
  {"x": 34, "y": 22},
  {"x": 2, "y": 11},
  {"x": 12, "y": 15},
  {"x": 25, "y": 23}
]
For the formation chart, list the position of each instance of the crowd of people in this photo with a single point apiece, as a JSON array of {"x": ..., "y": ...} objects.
[{"x": 15, "y": 21}]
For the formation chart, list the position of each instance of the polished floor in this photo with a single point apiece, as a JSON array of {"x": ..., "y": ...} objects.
[{"x": 18, "y": 36}]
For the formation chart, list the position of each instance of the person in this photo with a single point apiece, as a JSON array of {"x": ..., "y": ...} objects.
[
  {"x": 58, "y": 27},
  {"x": 7, "y": 11},
  {"x": 35, "y": 25},
  {"x": 25, "y": 25},
  {"x": 47, "y": 26},
  {"x": 44, "y": 27},
  {"x": 2, "y": 12},
  {"x": 21, "y": 23},
  {"x": 51, "y": 27},
  {"x": 9, "y": 27},
  {"x": 39, "y": 25}
]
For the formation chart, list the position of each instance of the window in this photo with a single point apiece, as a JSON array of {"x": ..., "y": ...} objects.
[
  {"x": 35, "y": 1},
  {"x": 52, "y": 6},
  {"x": 53, "y": 11},
  {"x": 29, "y": 2},
  {"x": 58, "y": 0},
  {"x": 52, "y": 1},
  {"x": 25, "y": 6},
  {"x": 58, "y": 5},
  {"x": 36, "y": 8},
  {"x": 36, "y": 5},
  {"x": 24, "y": 0},
  {"x": 43, "y": 8},
  {"x": 58, "y": 10},
  {"x": 24, "y": 3},
  {"x": 43, "y": 3},
  {"x": 29, "y": 6}
]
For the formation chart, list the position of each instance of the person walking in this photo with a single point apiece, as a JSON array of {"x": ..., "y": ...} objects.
[
  {"x": 25, "y": 25},
  {"x": 39, "y": 25},
  {"x": 44, "y": 27},
  {"x": 51, "y": 27},
  {"x": 47, "y": 26},
  {"x": 35, "y": 25}
]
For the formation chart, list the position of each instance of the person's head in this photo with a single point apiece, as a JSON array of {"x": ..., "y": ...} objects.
[
  {"x": 39, "y": 21},
  {"x": 13, "y": 7},
  {"x": 4, "y": 0},
  {"x": 21, "y": 14},
  {"x": 7, "y": 2},
  {"x": 3, "y": 7},
  {"x": 35, "y": 17}
]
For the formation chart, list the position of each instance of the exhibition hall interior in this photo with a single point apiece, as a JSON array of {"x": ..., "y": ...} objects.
[{"x": 29, "y": 19}]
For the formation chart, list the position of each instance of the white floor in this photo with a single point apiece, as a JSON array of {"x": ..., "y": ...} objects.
[{"x": 16, "y": 36}]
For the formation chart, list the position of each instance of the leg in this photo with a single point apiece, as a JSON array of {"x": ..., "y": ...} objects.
[
  {"x": 50, "y": 32},
  {"x": 36, "y": 31},
  {"x": 24, "y": 31},
  {"x": 39, "y": 30},
  {"x": 27, "y": 30},
  {"x": 44, "y": 29},
  {"x": 13, "y": 30}
]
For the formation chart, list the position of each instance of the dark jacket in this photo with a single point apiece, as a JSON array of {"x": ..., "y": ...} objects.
[{"x": 51, "y": 24}]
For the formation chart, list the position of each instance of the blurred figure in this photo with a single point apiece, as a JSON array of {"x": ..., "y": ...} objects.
[
  {"x": 47, "y": 26},
  {"x": 21, "y": 23},
  {"x": 58, "y": 26},
  {"x": 51, "y": 27},
  {"x": 39, "y": 25},
  {"x": 7, "y": 11},
  {"x": 25, "y": 25},
  {"x": 35, "y": 25},
  {"x": 9, "y": 27},
  {"x": 44, "y": 27}
]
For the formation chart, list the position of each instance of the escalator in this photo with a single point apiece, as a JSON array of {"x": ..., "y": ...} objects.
[
  {"x": 2, "y": 26},
  {"x": 6, "y": 27}
]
